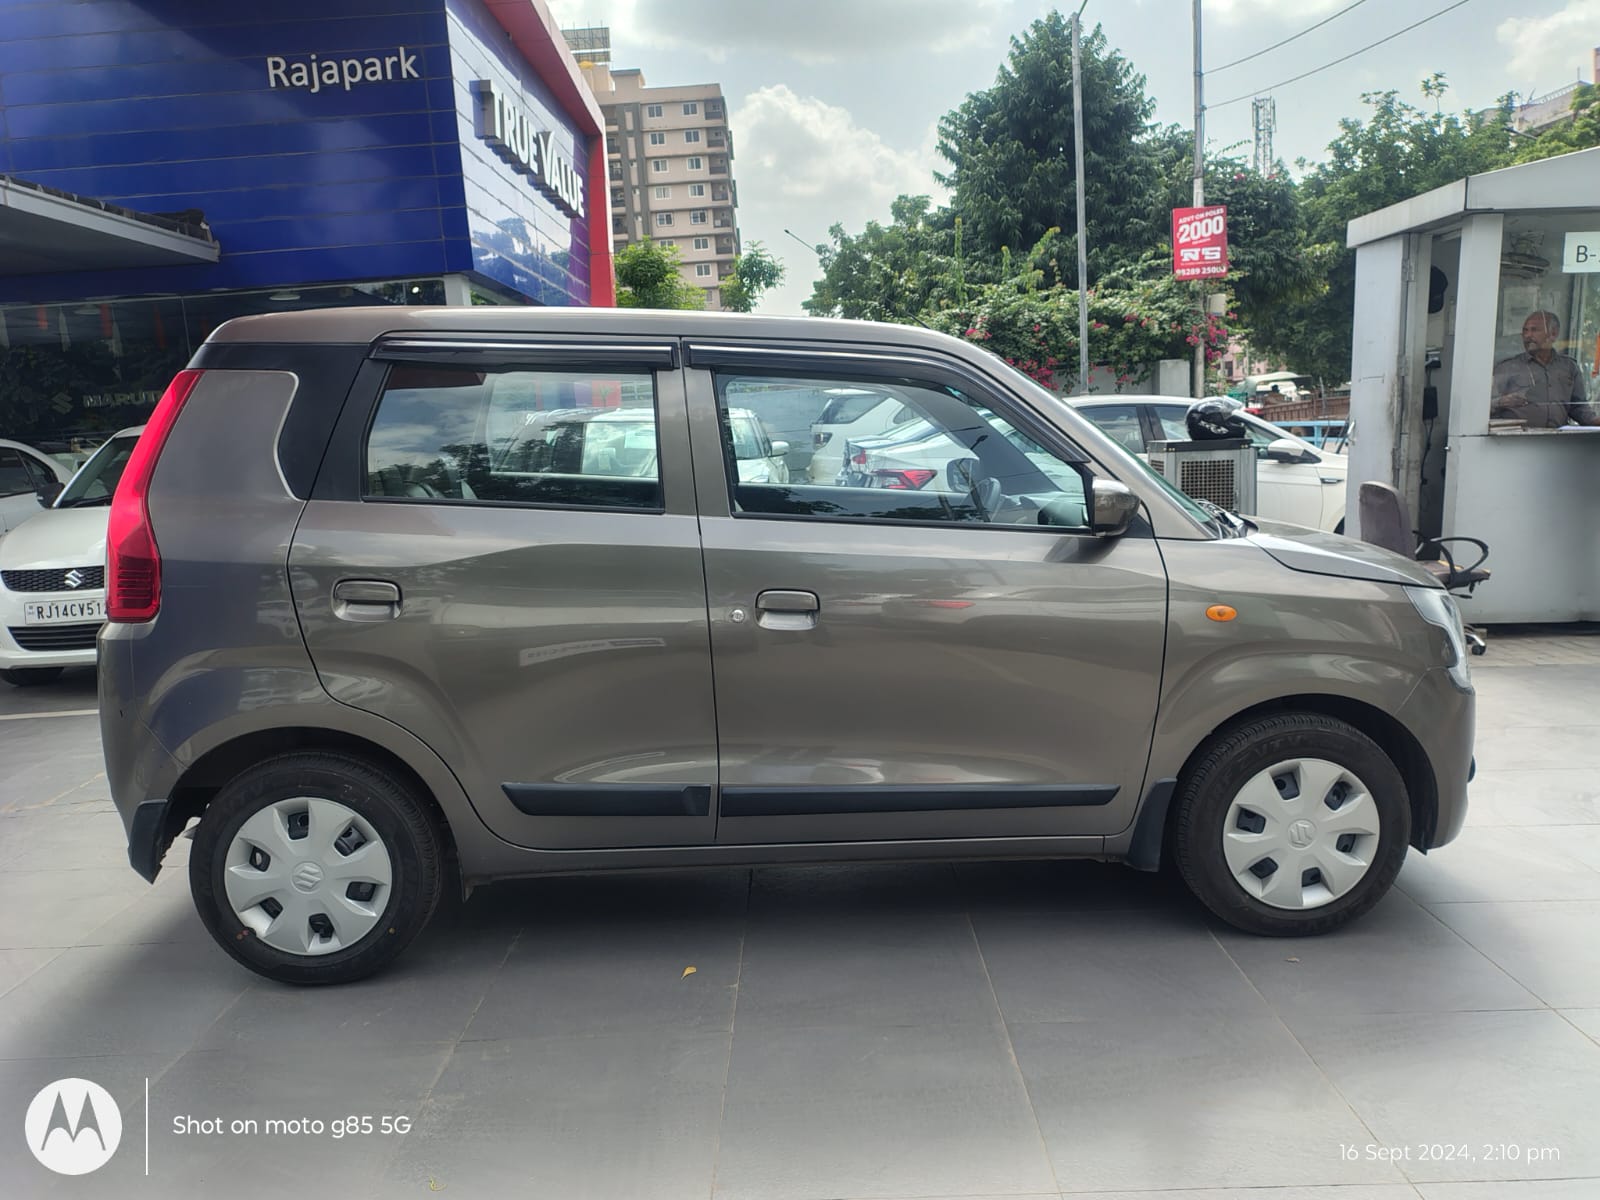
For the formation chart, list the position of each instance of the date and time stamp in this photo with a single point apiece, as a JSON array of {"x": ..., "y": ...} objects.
[{"x": 1449, "y": 1152}]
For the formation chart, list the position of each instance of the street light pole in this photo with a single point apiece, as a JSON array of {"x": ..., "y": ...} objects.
[
  {"x": 803, "y": 242},
  {"x": 1199, "y": 195},
  {"x": 1083, "y": 249}
]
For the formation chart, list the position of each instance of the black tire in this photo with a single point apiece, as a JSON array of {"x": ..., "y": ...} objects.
[
  {"x": 1231, "y": 760},
  {"x": 31, "y": 676},
  {"x": 401, "y": 820}
]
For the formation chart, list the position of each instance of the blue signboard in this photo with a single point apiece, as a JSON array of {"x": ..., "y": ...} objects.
[{"x": 322, "y": 142}]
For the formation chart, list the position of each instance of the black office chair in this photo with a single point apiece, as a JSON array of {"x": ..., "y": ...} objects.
[{"x": 1386, "y": 522}]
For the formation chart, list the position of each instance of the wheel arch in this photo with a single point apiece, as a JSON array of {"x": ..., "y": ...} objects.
[{"x": 1392, "y": 737}]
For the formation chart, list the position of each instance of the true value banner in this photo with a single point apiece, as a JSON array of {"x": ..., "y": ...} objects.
[{"x": 1200, "y": 242}]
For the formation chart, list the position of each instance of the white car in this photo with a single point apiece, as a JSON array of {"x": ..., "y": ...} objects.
[
  {"x": 918, "y": 458},
  {"x": 1295, "y": 482},
  {"x": 25, "y": 473},
  {"x": 853, "y": 414},
  {"x": 758, "y": 457},
  {"x": 52, "y": 574}
]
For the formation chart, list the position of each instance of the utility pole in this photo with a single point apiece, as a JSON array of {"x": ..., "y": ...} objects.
[
  {"x": 1083, "y": 249},
  {"x": 1199, "y": 195}
]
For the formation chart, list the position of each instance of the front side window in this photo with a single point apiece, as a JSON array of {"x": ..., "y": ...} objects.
[
  {"x": 1173, "y": 419},
  {"x": 1120, "y": 422},
  {"x": 449, "y": 434},
  {"x": 954, "y": 460},
  {"x": 14, "y": 478}
]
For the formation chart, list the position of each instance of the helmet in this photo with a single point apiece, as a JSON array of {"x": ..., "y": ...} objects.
[{"x": 1214, "y": 420}]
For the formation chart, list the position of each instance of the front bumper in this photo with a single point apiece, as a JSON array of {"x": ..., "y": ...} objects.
[
  {"x": 1442, "y": 717},
  {"x": 67, "y": 645}
]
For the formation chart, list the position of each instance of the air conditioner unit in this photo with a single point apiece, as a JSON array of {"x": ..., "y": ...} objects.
[{"x": 1223, "y": 472}]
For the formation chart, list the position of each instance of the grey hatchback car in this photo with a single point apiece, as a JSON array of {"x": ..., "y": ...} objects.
[{"x": 383, "y": 624}]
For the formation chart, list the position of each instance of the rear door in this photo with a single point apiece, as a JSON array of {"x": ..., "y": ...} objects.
[
  {"x": 501, "y": 556},
  {"x": 953, "y": 660}
]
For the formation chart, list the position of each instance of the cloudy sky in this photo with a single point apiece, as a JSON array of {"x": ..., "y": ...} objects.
[{"x": 833, "y": 103}]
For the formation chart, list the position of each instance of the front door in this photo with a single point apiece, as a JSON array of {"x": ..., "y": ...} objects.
[
  {"x": 502, "y": 557},
  {"x": 944, "y": 652}
]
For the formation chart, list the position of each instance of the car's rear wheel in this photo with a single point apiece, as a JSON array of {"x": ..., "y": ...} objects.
[
  {"x": 31, "y": 676},
  {"x": 1292, "y": 824},
  {"x": 315, "y": 868}
]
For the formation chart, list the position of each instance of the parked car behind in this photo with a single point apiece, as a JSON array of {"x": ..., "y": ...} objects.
[
  {"x": 852, "y": 414},
  {"x": 1295, "y": 481},
  {"x": 52, "y": 574},
  {"x": 29, "y": 480},
  {"x": 366, "y": 694}
]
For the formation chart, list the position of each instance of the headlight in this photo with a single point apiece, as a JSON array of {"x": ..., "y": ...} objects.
[{"x": 1438, "y": 607}]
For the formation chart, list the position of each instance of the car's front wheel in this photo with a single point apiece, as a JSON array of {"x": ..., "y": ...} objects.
[
  {"x": 315, "y": 868},
  {"x": 1292, "y": 824},
  {"x": 31, "y": 676}
]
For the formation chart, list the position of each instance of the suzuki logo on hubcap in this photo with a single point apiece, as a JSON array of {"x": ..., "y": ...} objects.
[
  {"x": 1302, "y": 834},
  {"x": 307, "y": 876}
]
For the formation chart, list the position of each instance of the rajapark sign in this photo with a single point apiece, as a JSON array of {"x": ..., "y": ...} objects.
[{"x": 506, "y": 125}]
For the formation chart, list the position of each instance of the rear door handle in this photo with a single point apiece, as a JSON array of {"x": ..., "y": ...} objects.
[
  {"x": 783, "y": 608},
  {"x": 366, "y": 600}
]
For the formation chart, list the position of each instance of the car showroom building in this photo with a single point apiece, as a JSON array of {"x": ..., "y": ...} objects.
[{"x": 167, "y": 166}]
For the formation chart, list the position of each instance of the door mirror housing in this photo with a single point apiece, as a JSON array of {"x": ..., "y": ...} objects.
[
  {"x": 779, "y": 449},
  {"x": 1112, "y": 507},
  {"x": 962, "y": 474},
  {"x": 1285, "y": 451}
]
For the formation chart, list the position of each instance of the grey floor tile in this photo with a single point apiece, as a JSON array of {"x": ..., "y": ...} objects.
[
  {"x": 578, "y": 974},
  {"x": 1552, "y": 949},
  {"x": 627, "y": 1116},
  {"x": 428, "y": 995},
  {"x": 1067, "y": 886},
  {"x": 1532, "y": 747},
  {"x": 1372, "y": 1191},
  {"x": 856, "y": 889},
  {"x": 1498, "y": 864},
  {"x": 286, "y": 1084},
  {"x": 1084, "y": 966},
  {"x": 17, "y": 965},
  {"x": 1552, "y": 796},
  {"x": 41, "y": 909},
  {"x": 1472, "y": 1079},
  {"x": 118, "y": 1000},
  {"x": 873, "y": 968},
  {"x": 1528, "y": 1189},
  {"x": 1397, "y": 958},
  {"x": 1137, "y": 1104},
  {"x": 1580, "y": 842},
  {"x": 1586, "y": 1019},
  {"x": 877, "y": 1112},
  {"x": 164, "y": 912}
]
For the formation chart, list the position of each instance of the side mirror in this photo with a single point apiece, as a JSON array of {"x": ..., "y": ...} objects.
[
  {"x": 1112, "y": 508},
  {"x": 1285, "y": 451},
  {"x": 49, "y": 492},
  {"x": 962, "y": 474},
  {"x": 779, "y": 449}
]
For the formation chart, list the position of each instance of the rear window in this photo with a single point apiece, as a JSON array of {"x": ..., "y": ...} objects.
[
  {"x": 450, "y": 434},
  {"x": 845, "y": 410}
]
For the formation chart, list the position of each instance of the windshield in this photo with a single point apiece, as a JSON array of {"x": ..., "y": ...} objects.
[{"x": 97, "y": 480}]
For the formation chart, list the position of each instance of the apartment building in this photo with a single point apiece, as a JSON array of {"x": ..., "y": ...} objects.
[{"x": 670, "y": 160}]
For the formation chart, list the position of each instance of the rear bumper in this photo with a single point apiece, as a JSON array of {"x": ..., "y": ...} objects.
[
  {"x": 1442, "y": 718},
  {"x": 139, "y": 770}
]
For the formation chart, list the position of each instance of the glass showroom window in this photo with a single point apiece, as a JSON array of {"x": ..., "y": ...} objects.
[{"x": 1547, "y": 327}]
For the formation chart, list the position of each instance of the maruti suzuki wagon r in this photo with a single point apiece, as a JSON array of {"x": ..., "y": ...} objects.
[{"x": 392, "y": 609}]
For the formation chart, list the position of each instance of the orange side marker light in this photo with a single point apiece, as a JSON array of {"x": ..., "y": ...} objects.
[{"x": 1222, "y": 612}]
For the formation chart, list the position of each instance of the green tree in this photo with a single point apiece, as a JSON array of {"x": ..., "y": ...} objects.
[
  {"x": 1580, "y": 132},
  {"x": 755, "y": 271},
  {"x": 648, "y": 276},
  {"x": 1397, "y": 152},
  {"x": 887, "y": 272},
  {"x": 1011, "y": 150}
]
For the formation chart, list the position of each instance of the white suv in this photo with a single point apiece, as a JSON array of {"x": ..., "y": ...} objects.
[
  {"x": 851, "y": 415},
  {"x": 52, "y": 574}
]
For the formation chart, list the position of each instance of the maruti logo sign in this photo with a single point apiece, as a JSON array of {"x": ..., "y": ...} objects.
[
  {"x": 506, "y": 126},
  {"x": 314, "y": 74}
]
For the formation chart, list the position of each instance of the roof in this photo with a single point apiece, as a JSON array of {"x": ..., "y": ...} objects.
[
  {"x": 45, "y": 230},
  {"x": 1567, "y": 181}
]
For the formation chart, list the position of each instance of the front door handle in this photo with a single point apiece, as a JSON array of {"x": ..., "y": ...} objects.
[
  {"x": 783, "y": 608},
  {"x": 366, "y": 600}
]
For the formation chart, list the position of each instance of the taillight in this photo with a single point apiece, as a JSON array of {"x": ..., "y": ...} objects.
[
  {"x": 859, "y": 458},
  {"x": 133, "y": 562},
  {"x": 903, "y": 480}
]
